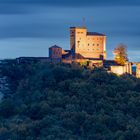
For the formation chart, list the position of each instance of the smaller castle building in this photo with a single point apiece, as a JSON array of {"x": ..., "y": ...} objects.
[{"x": 55, "y": 53}]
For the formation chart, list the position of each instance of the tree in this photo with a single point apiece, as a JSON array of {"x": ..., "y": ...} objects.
[
  {"x": 59, "y": 101},
  {"x": 120, "y": 53}
]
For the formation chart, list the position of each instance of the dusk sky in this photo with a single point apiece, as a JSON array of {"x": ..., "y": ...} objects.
[{"x": 30, "y": 27}]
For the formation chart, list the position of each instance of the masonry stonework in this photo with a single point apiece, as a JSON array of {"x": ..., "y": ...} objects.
[
  {"x": 138, "y": 70},
  {"x": 89, "y": 48},
  {"x": 87, "y": 44}
]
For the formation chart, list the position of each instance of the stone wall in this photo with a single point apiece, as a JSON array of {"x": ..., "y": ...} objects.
[
  {"x": 138, "y": 70},
  {"x": 119, "y": 70},
  {"x": 55, "y": 52},
  {"x": 87, "y": 45}
]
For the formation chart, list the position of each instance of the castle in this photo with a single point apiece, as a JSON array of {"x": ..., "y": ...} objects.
[
  {"x": 86, "y": 48},
  {"x": 90, "y": 48}
]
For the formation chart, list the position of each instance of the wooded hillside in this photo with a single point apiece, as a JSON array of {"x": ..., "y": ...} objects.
[{"x": 68, "y": 102}]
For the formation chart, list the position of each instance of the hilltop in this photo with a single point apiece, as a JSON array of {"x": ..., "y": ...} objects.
[{"x": 69, "y": 102}]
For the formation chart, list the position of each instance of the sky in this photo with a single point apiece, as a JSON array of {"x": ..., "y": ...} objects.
[{"x": 30, "y": 27}]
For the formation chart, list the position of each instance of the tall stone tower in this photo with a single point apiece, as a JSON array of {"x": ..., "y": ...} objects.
[{"x": 87, "y": 44}]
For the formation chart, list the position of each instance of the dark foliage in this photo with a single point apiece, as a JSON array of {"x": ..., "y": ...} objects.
[{"x": 68, "y": 102}]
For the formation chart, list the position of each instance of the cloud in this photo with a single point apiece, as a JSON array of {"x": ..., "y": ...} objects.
[
  {"x": 54, "y": 22},
  {"x": 75, "y": 2},
  {"x": 50, "y": 20},
  {"x": 10, "y": 8},
  {"x": 28, "y": 6},
  {"x": 30, "y": 26}
]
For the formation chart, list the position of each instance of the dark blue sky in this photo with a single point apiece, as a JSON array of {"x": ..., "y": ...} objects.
[{"x": 29, "y": 27}]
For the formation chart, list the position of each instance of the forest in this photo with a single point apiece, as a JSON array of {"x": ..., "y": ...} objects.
[{"x": 68, "y": 102}]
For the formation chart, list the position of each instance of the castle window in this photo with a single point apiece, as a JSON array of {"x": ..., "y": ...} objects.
[
  {"x": 97, "y": 44},
  {"x": 93, "y": 44},
  {"x": 88, "y": 44}
]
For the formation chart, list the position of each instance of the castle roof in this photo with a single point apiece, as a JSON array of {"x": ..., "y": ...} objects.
[
  {"x": 95, "y": 33},
  {"x": 78, "y": 27},
  {"x": 55, "y": 46}
]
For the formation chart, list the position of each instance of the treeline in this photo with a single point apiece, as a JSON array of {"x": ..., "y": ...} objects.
[{"x": 69, "y": 102}]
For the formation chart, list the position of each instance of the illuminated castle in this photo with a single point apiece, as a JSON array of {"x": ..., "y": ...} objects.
[
  {"x": 87, "y": 44},
  {"x": 88, "y": 49},
  {"x": 84, "y": 46}
]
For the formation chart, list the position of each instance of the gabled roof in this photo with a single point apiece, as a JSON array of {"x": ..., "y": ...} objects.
[{"x": 95, "y": 33}]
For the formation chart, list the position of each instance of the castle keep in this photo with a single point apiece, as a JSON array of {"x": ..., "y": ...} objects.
[{"x": 87, "y": 44}]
